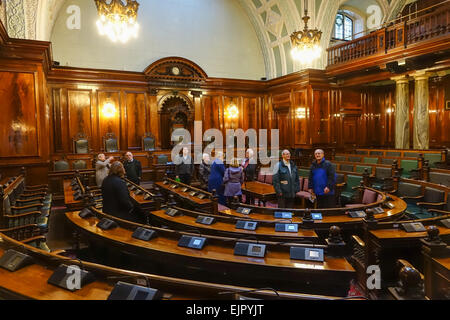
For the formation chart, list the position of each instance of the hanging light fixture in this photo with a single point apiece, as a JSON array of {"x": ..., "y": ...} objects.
[
  {"x": 306, "y": 43},
  {"x": 117, "y": 20}
]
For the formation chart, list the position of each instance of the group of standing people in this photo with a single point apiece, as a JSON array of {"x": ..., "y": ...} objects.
[
  {"x": 226, "y": 182},
  {"x": 321, "y": 181},
  {"x": 109, "y": 177}
]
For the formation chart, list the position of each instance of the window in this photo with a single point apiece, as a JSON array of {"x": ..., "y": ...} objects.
[{"x": 343, "y": 27}]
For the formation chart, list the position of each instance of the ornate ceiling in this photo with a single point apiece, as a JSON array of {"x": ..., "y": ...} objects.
[{"x": 273, "y": 21}]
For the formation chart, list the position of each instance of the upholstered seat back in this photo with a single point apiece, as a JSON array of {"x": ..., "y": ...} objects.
[
  {"x": 361, "y": 169},
  {"x": 162, "y": 159},
  {"x": 354, "y": 159},
  {"x": 376, "y": 153},
  {"x": 81, "y": 146},
  {"x": 387, "y": 161},
  {"x": 340, "y": 178},
  {"x": 352, "y": 181},
  {"x": 440, "y": 178},
  {"x": 369, "y": 196},
  {"x": 361, "y": 152},
  {"x": 61, "y": 165},
  {"x": 432, "y": 158},
  {"x": 370, "y": 160},
  {"x": 433, "y": 195},
  {"x": 111, "y": 145},
  {"x": 393, "y": 154},
  {"x": 303, "y": 173},
  {"x": 409, "y": 189},
  {"x": 149, "y": 143},
  {"x": 381, "y": 172},
  {"x": 6, "y": 206},
  {"x": 407, "y": 166},
  {"x": 411, "y": 154},
  {"x": 79, "y": 165},
  {"x": 346, "y": 167},
  {"x": 339, "y": 158},
  {"x": 261, "y": 177},
  {"x": 269, "y": 178}
]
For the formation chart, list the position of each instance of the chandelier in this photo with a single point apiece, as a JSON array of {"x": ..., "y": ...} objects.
[
  {"x": 306, "y": 44},
  {"x": 117, "y": 20}
]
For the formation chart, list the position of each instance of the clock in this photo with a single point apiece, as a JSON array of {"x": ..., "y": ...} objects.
[{"x": 175, "y": 71}]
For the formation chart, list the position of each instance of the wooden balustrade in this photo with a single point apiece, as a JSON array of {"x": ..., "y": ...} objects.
[{"x": 433, "y": 24}]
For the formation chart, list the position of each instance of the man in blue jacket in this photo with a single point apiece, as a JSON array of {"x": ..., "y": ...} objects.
[{"x": 322, "y": 180}]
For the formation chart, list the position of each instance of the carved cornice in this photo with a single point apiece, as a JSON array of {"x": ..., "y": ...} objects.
[{"x": 175, "y": 69}]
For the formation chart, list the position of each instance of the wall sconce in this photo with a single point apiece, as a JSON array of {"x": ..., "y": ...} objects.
[
  {"x": 109, "y": 110},
  {"x": 300, "y": 113},
  {"x": 389, "y": 110},
  {"x": 232, "y": 112}
]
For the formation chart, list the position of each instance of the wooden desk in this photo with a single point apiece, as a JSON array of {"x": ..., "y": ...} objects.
[
  {"x": 30, "y": 282},
  {"x": 226, "y": 227},
  {"x": 69, "y": 200},
  {"x": 338, "y": 218},
  {"x": 276, "y": 269},
  {"x": 386, "y": 246},
  {"x": 204, "y": 203},
  {"x": 262, "y": 191}
]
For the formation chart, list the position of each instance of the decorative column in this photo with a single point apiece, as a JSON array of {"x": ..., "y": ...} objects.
[
  {"x": 401, "y": 112},
  {"x": 154, "y": 117},
  {"x": 198, "y": 114},
  {"x": 421, "y": 125}
]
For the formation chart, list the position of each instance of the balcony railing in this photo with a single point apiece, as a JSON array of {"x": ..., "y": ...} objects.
[{"x": 434, "y": 23}]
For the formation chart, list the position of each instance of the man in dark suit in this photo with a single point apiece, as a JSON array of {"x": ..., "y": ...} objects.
[
  {"x": 249, "y": 173},
  {"x": 133, "y": 168},
  {"x": 184, "y": 167},
  {"x": 116, "y": 197},
  {"x": 286, "y": 181}
]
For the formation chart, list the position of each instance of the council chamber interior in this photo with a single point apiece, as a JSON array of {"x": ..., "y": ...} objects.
[{"x": 367, "y": 82}]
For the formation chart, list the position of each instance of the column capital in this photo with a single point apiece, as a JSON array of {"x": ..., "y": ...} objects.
[
  {"x": 421, "y": 75},
  {"x": 401, "y": 79},
  {"x": 196, "y": 94}
]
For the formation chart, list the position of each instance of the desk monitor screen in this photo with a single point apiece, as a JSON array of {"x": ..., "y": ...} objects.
[
  {"x": 250, "y": 249},
  {"x": 446, "y": 223},
  {"x": 378, "y": 210},
  {"x": 192, "y": 193},
  {"x": 283, "y": 215},
  {"x": 357, "y": 214},
  {"x": 286, "y": 227},
  {"x": 192, "y": 242},
  {"x": 171, "y": 212},
  {"x": 174, "y": 186},
  {"x": 316, "y": 216},
  {"x": 205, "y": 220},
  {"x": 184, "y": 189},
  {"x": 13, "y": 260},
  {"x": 413, "y": 227},
  {"x": 243, "y": 210},
  {"x": 201, "y": 196},
  {"x": 165, "y": 182},
  {"x": 308, "y": 254}
]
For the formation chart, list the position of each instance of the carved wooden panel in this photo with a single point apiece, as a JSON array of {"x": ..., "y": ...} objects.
[
  {"x": 57, "y": 118},
  {"x": 79, "y": 113},
  {"x": 18, "y": 121},
  {"x": 136, "y": 119},
  {"x": 350, "y": 130}
]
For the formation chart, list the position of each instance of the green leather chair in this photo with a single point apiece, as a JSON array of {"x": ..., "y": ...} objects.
[
  {"x": 110, "y": 143},
  {"x": 408, "y": 166},
  {"x": 79, "y": 165},
  {"x": 81, "y": 144},
  {"x": 432, "y": 158},
  {"x": 348, "y": 192},
  {"x": 148, "y": 142},
  {"x": 61, "y": 165},
  {"x": 370, "y": 160}
]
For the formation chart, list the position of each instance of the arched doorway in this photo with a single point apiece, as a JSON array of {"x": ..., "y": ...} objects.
[{"x": 175, "y": 112}]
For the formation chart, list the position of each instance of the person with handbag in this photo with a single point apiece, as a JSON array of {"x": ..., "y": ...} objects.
[{"x": 233, "y": 180}]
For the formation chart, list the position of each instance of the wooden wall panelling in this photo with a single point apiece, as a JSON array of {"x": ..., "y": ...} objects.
[
  {"x": 80, "y": 109},
  {"x": 19, "y": 121},
  {"x": 154, "y": 119},
  {"x": 136, "y": 119},
  {"x": 322, "y": 115},
  {"x": 300, "y": 118}
]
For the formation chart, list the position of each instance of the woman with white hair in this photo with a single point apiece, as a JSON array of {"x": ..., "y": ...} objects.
[
  {"x": 204, "y": 170},
  {"x": 102, "y": 168}
]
